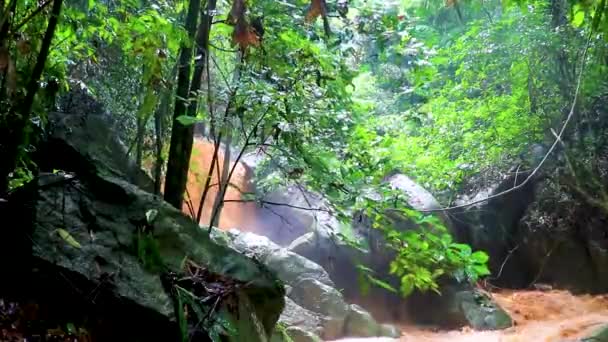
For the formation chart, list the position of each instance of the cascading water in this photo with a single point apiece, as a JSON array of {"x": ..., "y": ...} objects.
[{"x": 237, "y": 212}]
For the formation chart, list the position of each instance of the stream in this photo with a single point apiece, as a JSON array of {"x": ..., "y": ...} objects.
[{"x": 552, "y": 316}]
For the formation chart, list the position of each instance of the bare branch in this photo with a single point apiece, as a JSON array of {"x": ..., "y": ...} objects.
[{"x": 280, "y": 205}]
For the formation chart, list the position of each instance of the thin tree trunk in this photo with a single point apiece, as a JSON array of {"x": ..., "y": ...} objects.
[
  {"x": 161, "y": 113},
  {"x": 218, "y": 203},
  {"x": 16, "y": 134},
  {"x": 214, "y": 160},
  {"x": 182, "y": 135},
  {"x": 139, "y": 149}
]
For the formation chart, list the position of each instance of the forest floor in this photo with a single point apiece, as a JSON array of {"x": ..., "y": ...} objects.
[{"x": 540, "y": 316}]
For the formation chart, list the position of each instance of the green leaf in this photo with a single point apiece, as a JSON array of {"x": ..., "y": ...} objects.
[
  {"x": 187, "y": 120},
  {"x": 407, "y": 285},
  {"x": 579, "y": 18},
  {"x": 481, "y": 270},
  {"x": 151, "y": 215},
  {"x": 462, "y": 248},
  {"x": 65, "y": 235},
  {"x": 382, "y": 284},
  {"x": 480, "y": 257}
]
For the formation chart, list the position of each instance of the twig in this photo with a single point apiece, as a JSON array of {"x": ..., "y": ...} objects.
[
  {"x": 544, "y": 263},
  {"x": 280, "y": 204},
  {"x": 223, "y": 49},
  {"x": 505, "y": 262}
]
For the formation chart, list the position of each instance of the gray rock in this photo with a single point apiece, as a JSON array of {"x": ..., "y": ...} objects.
[
  {"x": 286, "y": 223},
  {"x": 459, "y": 305},
  {"x": 295, "y": 334},
  {"x": 296, "y": 316},
  {"x": 74, "y": 137},
  {"x": 313, "y": 304},
  {"x": 359, "y": 323},
  {"x": 417, "y": 196},
  {"x": 289, "y": 267},
  {"x": 481, "y": 312},
  {"x": 389, "y": 330},
  {"x": 318, "y": 297}
]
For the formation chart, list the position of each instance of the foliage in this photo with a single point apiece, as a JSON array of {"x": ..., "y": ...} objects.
[
  {"x": 282, "y": 331},
  {"x": 335, "y": 95}
]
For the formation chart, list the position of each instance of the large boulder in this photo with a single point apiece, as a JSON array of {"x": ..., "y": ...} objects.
[
  {"x": 95, "y": 231},
  {"x": 492, "y": 225},
  {"x": 87, "y": 239},
  {"x": 536, "y": 231},
  {"x": 340, "y": 258},
  {"x": 326, "y": 300},
  {"x": 292, "y": 211},
  {"x": 312, "y": 297}
]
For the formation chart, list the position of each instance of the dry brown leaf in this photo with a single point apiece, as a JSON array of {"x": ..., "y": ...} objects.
[
  {"x": 316, "y": 9},
  {"x": 244, "y": 35}
]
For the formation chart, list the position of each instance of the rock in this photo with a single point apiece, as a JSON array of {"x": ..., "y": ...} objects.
[
  {"x": 296, "y": 316},
  {"x": 599, "y": 335},
  {"x": 417, "y": 196},
  {"x": 536, "y": 232},
  {"x": 295, "y": 334},
  {"x": 299, "y": 221},
  {"x": 458, "y": 305},
  {"x": 88, "y": 235},
  {"x": 103, "y": 218},
  {"x": 359, "y": 323},
  {"x": 313, "y": 303},
  {"x": 318, "y": 297},
  {"x": 74, "y": 137},
  {"x": 492, "y": 226},
  {"x": 289, "y": 267},
  {"x": 481, "y": 312},
  {"x": 389, "y": 330}
]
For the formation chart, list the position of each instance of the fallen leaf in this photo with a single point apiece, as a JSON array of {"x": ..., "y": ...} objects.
[
  {"x": 65, "y": 235},
  {"x": 316, "y": 9},
  {"x": 244, "y": 35}
]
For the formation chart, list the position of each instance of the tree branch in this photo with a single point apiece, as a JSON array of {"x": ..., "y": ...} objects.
[{"x": 279, "y": 204}]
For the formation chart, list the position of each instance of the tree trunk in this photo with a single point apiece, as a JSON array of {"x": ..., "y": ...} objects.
[
  {"x": 139, "y": 149},
  {"x": 218, "y": 203},
  {"x": 182, "y": 135},
  {"x": 159, "y": 117},
  {"x": 13, "y": 136},
  {"x": 224, "y": 182}
]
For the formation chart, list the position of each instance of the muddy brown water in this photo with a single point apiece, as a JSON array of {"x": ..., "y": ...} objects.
[{"x": 552, "y": 316}]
